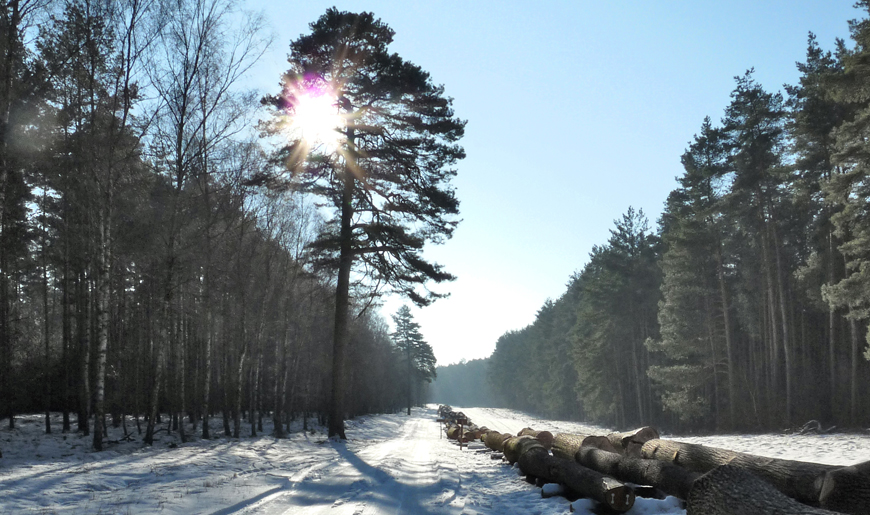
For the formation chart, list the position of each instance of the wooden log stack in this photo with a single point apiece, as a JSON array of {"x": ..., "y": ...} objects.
[{"x": 712, "y": 481}]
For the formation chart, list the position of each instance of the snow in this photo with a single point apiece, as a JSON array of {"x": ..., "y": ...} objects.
[{"x": 391, "y": 464}]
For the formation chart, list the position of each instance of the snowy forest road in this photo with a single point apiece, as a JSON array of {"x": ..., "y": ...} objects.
[{"x": 402, "y": 474}]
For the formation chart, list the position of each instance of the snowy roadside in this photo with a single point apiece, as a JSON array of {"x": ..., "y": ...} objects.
[{"x": 391, "y": 464}]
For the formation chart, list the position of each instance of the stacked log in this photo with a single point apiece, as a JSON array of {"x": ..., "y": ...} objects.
[
  {"x": 631, "y": 442},
  {"x": 495, "y": 440},
  {"x": 797, "y": 479},
  {"x": 517, "y": 445},
  {"x": 566, "y": 445},
  {"x": 534, "y": 460},
  {"x": 732, "y": 490},
  {"x": 458, "y": 426},
  {"x": 670, "y": 479},
  {"x": 713, "y": 481},
  {"x": 545, "y": 437}
]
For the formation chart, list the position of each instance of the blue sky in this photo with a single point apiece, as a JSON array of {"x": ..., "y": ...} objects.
[{"x": 576, "y": 111}]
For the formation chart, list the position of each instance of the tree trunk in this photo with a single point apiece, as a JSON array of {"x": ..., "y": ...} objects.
[
  {"x": 853, "y": 396},
  {"x": 786, "y": 337},
  {"x": 45, "y": 325},
  {"x": 155, "y": 393},
  {"x": 832, "y": 340},
  {"x": 180, "y": 343},
  {"x": 207, "y": 356},
  {"x": 797, "y": 479},
  {"x": 729, "y": 347},
  {"x": 731, "y": 490},
  {"x": 82, "y": 308},
  {"x": 667, "y": 477},
  {"x": 102, "y": 319},
  {"x": 342, "y": 304}
]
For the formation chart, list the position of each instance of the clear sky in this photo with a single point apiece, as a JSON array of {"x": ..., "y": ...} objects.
[{"x": 576, "y": 111}]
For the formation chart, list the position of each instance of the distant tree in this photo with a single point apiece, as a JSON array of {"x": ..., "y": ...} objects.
[
  {"x": 463, "y": 384},
  {"x": 754, "y": 131},
  {"x": 388, "y": 181},
  {"x": 616, "y": 315},
  {"x": 694, "y": 316},
  {"x": 418, "y": 354},
  {"x": 814, "y": 113}
]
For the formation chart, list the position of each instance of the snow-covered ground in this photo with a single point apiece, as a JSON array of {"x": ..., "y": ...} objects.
[{"x": 392, "y": 464}]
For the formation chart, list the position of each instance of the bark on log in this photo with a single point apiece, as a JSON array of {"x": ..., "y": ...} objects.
[
  {"x": 798, "y": 479},
  {"x": 589, "y": 483},
  {"x": 566, "y": 445},
  {"x": 847, "y": 489},
  {"x": 495, "y": 440},
  {"x": 732, "y": 490},
  {"x": 516, "y": 445},
  {"x": 545, "y": 437},
  {"x": 583, "y": 482},
  {"x": 598, "y": 442},
  {"x": 453, "y": 433},
  {"x": 631, "y": 442},
  {"x": 667, "y": 477}
]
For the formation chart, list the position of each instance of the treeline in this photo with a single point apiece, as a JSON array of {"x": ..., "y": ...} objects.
[
  {"x": 141, "y": 271},
  {"x": 462, "y": 384},
  {"x": 749, "y": 306}
]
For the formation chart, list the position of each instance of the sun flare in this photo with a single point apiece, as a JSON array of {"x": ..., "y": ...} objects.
[{"x": 317, "y": 119}]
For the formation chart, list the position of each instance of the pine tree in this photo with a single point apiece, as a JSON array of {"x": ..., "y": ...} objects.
[
  {"x": 694, "y": 314},
  {"x": 754, "y": 130},
  {"x": 418, "y": 354},
  {"x": 616, "y": 315},
  {"x": 849, "y": 190},
  {"x": 388, "y": 180}
]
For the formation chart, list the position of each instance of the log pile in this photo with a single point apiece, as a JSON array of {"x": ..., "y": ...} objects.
[
  {"x": 711, "y": 481},
  {"x": 458, "y": 426}
]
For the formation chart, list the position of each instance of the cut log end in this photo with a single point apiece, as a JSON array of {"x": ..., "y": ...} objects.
[
  {"x": 847, "y": 489},
  {"x": 617, "y": 496}
]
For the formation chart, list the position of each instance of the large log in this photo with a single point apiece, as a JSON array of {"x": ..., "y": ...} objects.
[
  {"x": 798, "y": 479},
  {"x": 516, "y": 445},
  {"x": 495, "y": 440},
  {"x": 732, "y": 490},
  {"x": 631, "y": 442},
  {"x": 847, "y": 489},
  {"x": 583, "y": 482},
  {"x": 667, "y": 477},
  {"x": 545, "y": 437},
  {"x": 566, "y": 445}
]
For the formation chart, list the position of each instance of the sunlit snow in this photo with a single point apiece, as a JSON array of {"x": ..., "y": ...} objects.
[{"x": 392, "y": 464}]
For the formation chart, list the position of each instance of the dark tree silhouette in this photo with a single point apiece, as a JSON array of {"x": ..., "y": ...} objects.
[{"x": 387, "y": 175}]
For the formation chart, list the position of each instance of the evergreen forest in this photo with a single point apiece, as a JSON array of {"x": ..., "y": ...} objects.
[{"x": 747, "y": 306}]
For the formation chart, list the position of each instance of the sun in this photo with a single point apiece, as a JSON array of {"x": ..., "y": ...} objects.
[{"x": 316, "y": 118}]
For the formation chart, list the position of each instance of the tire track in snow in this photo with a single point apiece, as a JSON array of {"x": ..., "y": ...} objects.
[{"x": 415, "y": 472}]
